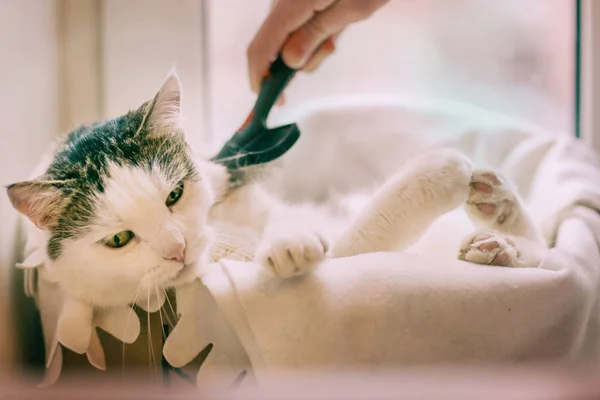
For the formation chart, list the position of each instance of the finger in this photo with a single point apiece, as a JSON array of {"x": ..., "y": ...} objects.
[
  {"x": 303, "y": 43},
  {"x": 324, "y": 51},
  {"x": 285, "y": 17}
]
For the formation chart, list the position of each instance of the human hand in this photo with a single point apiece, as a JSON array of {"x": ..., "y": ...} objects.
[{"x": 304, "y": 32}]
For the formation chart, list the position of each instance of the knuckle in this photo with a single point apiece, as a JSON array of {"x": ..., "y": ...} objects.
[
  {"x": 362, "y": 9},
  {"x": 317, "y": 27}
]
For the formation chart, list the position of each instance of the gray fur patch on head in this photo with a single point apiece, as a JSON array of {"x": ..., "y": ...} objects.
[{"x": 147, "y": 138}]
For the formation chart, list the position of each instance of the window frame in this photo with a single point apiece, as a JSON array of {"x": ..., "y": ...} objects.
[{"x": 587, "y": 77}]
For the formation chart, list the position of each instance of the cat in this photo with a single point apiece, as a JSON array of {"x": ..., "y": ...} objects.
[{"x": 125, "y": 208}]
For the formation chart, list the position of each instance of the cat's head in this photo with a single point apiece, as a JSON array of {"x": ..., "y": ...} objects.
[{"x": 123, "y": 205}]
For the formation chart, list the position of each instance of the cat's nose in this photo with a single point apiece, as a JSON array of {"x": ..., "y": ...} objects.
[{"x": 175, "y": 252}]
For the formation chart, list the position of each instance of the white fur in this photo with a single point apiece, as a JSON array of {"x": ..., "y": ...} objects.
[{"x": 135, "y": 200}]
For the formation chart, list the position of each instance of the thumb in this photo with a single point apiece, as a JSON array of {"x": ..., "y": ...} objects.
[
  {"x": 325, "y": 50},
  {"x": 301, "y": 45}
]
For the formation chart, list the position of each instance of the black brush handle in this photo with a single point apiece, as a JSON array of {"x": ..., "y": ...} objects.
[
  {"x": 272, "y": 87},
  {"x": 254, "y": 132}
]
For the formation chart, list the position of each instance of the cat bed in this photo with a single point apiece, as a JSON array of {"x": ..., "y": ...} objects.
[{"x": 386, "y": 309}]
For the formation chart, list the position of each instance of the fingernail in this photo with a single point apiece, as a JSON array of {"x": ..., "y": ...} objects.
[
  {"x": 295, "y": 51},
  {"x": 328, "y": 46},
  {"x": 294, "y": 57}
]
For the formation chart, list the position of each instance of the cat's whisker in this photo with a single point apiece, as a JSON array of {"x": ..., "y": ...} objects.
[
  {"x": 135, "y": 296},
  {"x": 162, "y": 324},
  {"x": 230, "y": 247},
  {"x": 166, "y": 316},
  {"x": 232, "y": 242},
  {"x": 131, "y": 310},
  {"x": 227, "y": 250},
  {"x": 175, "y": 316},
  {"x": 151, "y": 357},
  {"x": 225, "y": 236},
  {"x": 229, "y": 255},
  {"x": 163, "y": 310}
]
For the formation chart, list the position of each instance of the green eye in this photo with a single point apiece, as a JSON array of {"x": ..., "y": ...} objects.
[
  {"x": 175, "y": 195},
  {"x": 119, "y": 240}
]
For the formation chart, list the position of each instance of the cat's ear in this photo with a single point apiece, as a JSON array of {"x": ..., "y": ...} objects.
[
  {"x": 40, "y": 201},
  {"x": 165, "y": 110}
]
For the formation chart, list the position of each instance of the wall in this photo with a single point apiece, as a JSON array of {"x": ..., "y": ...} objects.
[
  {"x": 29, "y": 115},
  {"x": 142, "y": 40}
]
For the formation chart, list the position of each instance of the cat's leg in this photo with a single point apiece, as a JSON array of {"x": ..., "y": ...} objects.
[
  {"x": 506, "y": 234},
  {"x": 407, "y": 204}
]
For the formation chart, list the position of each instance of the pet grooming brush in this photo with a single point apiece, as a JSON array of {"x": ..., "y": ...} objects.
[{"x": 254, "y": 143}]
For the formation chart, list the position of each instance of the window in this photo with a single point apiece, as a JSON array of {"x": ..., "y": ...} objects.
[
  {"x": 516, "y": 57},
  {"x": 588, "y": 59}
]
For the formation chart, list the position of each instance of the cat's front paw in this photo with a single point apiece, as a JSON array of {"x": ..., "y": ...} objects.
[{"x": 293, "y": 253}]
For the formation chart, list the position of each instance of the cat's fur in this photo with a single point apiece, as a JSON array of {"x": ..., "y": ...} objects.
[{"x": 115, "y": 176}]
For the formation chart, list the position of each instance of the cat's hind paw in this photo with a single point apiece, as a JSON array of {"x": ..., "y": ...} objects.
[
  {"x": 492, "y": 202},
  {"x": 490, "y": 248},
  {"x": 293, "y": 254}
]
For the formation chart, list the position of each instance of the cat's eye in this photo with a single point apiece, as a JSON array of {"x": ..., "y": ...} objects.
[
  {"x": 175, "y": 195},
  {"x": 119, "y": 240}
]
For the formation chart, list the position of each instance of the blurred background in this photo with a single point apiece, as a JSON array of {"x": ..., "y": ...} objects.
[{"x": 68, "y": 62}]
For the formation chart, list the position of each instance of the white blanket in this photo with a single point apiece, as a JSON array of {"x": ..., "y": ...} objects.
[
  {"x": 382, "y": 310},
  {"x": 385, "y": 310}
]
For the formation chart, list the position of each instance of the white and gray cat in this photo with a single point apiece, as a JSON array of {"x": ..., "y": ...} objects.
[{"x": 126, "y": 209}]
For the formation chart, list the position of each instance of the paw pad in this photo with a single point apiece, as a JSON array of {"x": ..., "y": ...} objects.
[
  {"x": 490, "y": 199},
  {"x": 489, "y": 248}
]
